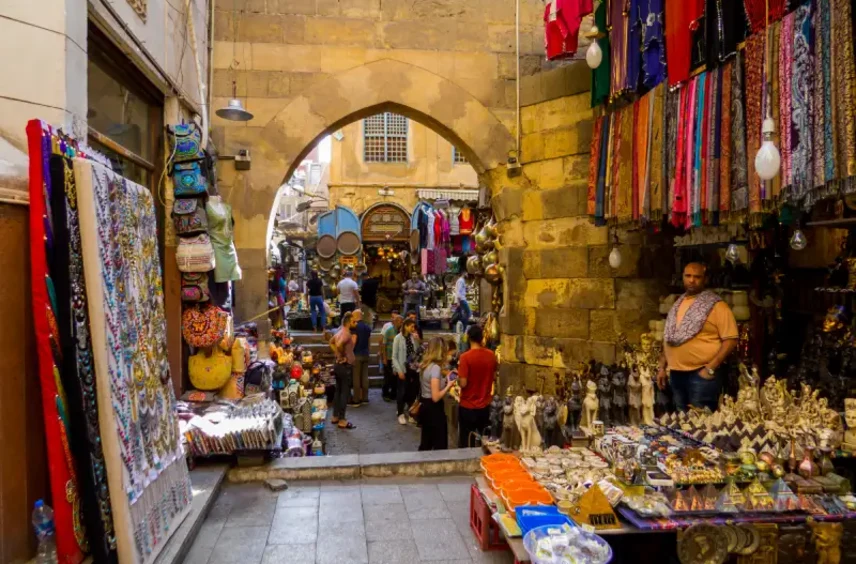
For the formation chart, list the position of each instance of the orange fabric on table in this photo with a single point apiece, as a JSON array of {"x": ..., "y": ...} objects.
[{"x": 698, "y": 351}]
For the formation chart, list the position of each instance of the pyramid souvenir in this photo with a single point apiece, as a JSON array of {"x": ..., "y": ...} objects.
[
  {"x": 783, "y": 498},
  {"x": 731, "y": 499},
  {"x": 680, "y": 504},
  {"x": 757, "y": 498},
  {"x": 694, "y": 499},
  {"x": 709, "y": 496},
  {"x": 593, "y": 509}
]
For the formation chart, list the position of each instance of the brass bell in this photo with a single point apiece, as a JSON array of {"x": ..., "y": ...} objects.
[
  {"x": 481, "y": 237},
  {"x": 491, "y": 274},
  {"x": 490, "y": 258},
  {"x": 491, "y": 229},
  {"x": 474, "y": 265}
]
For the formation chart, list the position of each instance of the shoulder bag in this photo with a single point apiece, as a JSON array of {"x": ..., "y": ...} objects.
[
  {"x": 195, "y": 254},
  {"x": 189, "y": 216}
]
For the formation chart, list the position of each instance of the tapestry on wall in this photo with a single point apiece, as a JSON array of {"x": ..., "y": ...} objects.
[{"x": 147, "y": 474}]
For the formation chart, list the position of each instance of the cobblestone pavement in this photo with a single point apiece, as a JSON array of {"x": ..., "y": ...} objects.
[
  {"x": 377, "y": 430},
  {"x": 369, "y": 521}
]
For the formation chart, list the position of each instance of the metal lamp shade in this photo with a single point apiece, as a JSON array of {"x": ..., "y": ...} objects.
[{"x": 234, "y": 111}]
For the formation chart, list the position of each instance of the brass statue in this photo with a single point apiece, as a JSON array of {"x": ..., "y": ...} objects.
[{"x": 827, "y": 541}]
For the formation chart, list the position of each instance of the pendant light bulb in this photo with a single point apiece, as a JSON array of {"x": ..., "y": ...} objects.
[
  {"x": 732, "y": 254},
  {"x": 594, "y": 54},
  {"x": 798, "y": 240},
  {"x": 768, "y": 161},
  {"x": 615, "y": 257}
]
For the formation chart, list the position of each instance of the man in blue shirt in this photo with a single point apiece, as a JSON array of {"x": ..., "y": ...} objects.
[{"x": 361, "y": 361}]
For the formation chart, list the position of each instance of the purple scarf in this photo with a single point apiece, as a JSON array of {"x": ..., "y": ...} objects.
[{"x": 676, "y": 335}]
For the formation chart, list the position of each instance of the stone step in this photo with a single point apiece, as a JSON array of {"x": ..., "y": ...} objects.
[{"x": 353, "y": 466}]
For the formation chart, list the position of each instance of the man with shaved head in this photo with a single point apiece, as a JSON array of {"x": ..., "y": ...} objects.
[{"x": 700, "y": 334}]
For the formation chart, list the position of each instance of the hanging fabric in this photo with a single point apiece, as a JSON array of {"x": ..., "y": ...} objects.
[
  {"x": 650, "y": 18},
  {"x": 601, "y": 76}
]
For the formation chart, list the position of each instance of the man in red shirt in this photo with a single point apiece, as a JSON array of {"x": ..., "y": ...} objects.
[{"x": 476, "y": 372}]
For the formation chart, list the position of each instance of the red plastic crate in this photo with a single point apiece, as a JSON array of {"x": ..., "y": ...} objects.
[{"x": 484, "y": 528}]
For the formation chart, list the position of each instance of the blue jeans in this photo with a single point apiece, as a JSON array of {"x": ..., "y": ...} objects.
[
  {"x": 689, "y": 388},
  {"x": 316, "y": 310}
]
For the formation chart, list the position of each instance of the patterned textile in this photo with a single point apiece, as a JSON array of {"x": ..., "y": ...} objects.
[
  {"x": 798, "y": 133},
  {"x": 726, "y": 29},
  {"x": 594, "y": 166},
  {"x": 754, "y": 88},
  {"x": 758, "y": 15},
  {"x": 653, "y": 48},
  {"x": 71, "y": 542},
  {"x": 601, "y": 76},
  {"x": 147, "y": 474},
  {"x": 680, "y": 16},
  {"x": 640, "y": 153},
  {"x": 77, "y": 371},
  {"x": 623, "y": 193},
  {"x": 618, "y": 42},
  {"x": 739, "y": 154},
  {"x": 845, "y": 85},
  {"x": 785, "y": 56},
  {"x": 725, "y": 141},
  {"x": 654, "y": 204},
  {"x": 822, "y": 119},
  {"x": 677, "y": 334}
]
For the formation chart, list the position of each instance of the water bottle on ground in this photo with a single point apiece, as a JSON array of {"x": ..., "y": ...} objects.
[{"x": 43, "y": 524}]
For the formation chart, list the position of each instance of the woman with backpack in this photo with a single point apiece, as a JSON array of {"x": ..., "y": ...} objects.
[{"x": 434, "y": 387}]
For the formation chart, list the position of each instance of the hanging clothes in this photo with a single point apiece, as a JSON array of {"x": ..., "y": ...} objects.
[
  {"x": 845, "y": 92},
  {"x": 438, "y": 228},
  {"x": 761, "y": 12},
  {"x": 754, "y": 88},
  {"x": 654, "y": 198},
  {"x": 466, "y": 220},
  {"x": 739, "y": 151},
  {"x": 650, "y": 18},
  {"x": 594, "y": 164},
  {"x": 726, "y": 28},
  {"x": 799, "y": 106},
  {"x": 601, "y": 76},
  {"x": 824, "y": 167},
  {"x": 618, "y": 37},
  {"x": 562, "y": 20},
  {"x": 725, "y": 125},
  {"x": 429, "y": 233},
  {"x": 682, "y": 17},
  {"x": 454, "y": 222}
]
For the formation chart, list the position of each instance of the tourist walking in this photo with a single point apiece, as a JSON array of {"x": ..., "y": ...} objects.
[
  {"x": 361, "y": 360},
  {"x": 404, "y": 364},
  {"x": 342, "y": 344},
  {"x": 434, "y": 386},
  {"x": 700, "y": 333},
  {"x": 387, "y": 336},
  {"x": 349, "y": 293},
  {"x": 414, "y": 291},
  {"x": 315, "y": 297},
  {"x": 463, "y": 312},
  {"x": 476, "y": 374}
]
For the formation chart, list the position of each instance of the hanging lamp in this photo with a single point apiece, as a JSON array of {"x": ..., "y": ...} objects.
[
  {"x": 768, "y": 160},
  {"x": 234, "y": 111}
]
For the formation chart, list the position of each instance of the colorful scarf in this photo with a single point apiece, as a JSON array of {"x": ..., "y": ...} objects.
[
  {"x": 798, "y": 134},
  {"x": 654, "y": 203},
  {"x": 786, "y": 54},
  {"x": 600, "y": 77},
  {"x": 739, "y": 153},
  {"x": 622, "y": 185},
  {"x": 725, "y": 141},
  {"x": 653, "y": 51},
  {"x": 594, "y": 166},
  {"x": 754, "y": 113},
  {"x": 822, "y": 99},
  {"x": 845, "y": 84},
  {"x": 602, "y": 168},
  {"x": 691, "y": 324}
]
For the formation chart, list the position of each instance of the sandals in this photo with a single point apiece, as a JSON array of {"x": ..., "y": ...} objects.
[
  {"x": 348, "y": 425},
  {"x": 334, "y": 420}
]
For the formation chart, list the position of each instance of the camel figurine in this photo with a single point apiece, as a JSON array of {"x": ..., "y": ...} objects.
[
  {"x": 590, "y": 406},
  {"x": 647, "y": 396},
  {"x": 524, "y": 416}
]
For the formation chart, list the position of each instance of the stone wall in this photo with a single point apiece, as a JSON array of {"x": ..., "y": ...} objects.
[{"x": 566, "y": 305}]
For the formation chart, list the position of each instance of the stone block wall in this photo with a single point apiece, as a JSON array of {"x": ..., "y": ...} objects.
[{"x": 564, "y": 304}]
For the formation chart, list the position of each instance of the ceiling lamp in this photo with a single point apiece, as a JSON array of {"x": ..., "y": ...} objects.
[
  {"x": 234, "y": 111},
  {"x": 768, "y": 161},
  {"x": 594, "y": 54}
]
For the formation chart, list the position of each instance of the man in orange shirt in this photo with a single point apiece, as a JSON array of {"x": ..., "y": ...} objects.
[{"x": 700, "y": 334}]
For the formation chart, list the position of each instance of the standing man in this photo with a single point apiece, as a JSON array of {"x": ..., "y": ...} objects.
[
  {"x": 411, "y": 315},
  {"x": 342, "y": 344},
  {"x": 315, "y": 297},
  {"x": 293, "y": 288},
  {"x": 700, "y": 334},
  {"x": 349, "y": 293},
  {"x": 387, "y": 337},
  {"x": 476, "y": 373},
  {"x": 361, "y": 360},
  {"x": 414, "y": 290},
  {"x": 463, "y": 311}
]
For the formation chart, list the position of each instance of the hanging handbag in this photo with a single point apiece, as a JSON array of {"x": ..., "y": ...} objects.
[
  {"x": 414, "y": 408},
  {"x": 186, "y": 142},
  {"x": 189, "y": 216},
  {"x": 209, "y": 373},
  {"x": 194, "y": 287},
  {"x": 204, "y": 326},
  {"x": 195, "y": 254},
  {"x": 188, "y": 180}
]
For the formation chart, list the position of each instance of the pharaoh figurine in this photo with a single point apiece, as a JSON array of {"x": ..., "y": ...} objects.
[
  {"x": 590, "y": 406},
  {"x": 604, "y": 391},
  {"x": 634, "y": 397},
  {"x": 575, "y": 407},
  {"x": 495, "y": 417},
  {"x": 550, "y": 432},
  {"x": 647, "y": 396},
  {"x": 509, "y": 428},
  {"x": 619, "y": 396},
  {"x": 850, "y": 418}
]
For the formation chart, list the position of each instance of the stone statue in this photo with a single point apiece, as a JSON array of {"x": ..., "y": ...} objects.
[
  {"x": 850, "y": 418},
  {"x": 604, "y": 394},
  {"x": 590, "y": 406},
  {"x": 496, "y": 417},
  {"x": 539, "y": 414},
  {"x": 619, "y": 397},
  {"x": 575, "y": 407},
  {"x": 509, "y": 428},
  {"x": 634, "y": 397},
  {"x": 524, "y": 417},
  {"x": 550, "y": 432},
  {"x": 647, "y": 396}
]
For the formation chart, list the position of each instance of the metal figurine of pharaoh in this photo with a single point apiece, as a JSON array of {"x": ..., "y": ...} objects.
[
  {"x": 496, "y": 417},
  {"x": 604, "y": 390},
  {"x": 510, "y": 436},
  {"x": 550, "y": 433},
  {"x": 619, "y": 397},
  {"x": 575, "y": 407}
]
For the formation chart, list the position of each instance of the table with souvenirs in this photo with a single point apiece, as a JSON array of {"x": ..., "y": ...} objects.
[{"x": 579, "y": 480}]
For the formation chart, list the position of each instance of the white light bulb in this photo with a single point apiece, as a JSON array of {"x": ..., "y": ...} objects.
[
  {"x": 798, "y": 241},
  {"x": 594, "y": 55},
  {"x": 732, "y": 254},
  {"x": 615, "y": 257},
  {"x": 768, "y": 160}
]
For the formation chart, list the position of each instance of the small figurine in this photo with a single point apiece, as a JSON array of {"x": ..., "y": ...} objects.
[
  {"x": 604, "y": 391},
  {"x": 539, "y": 414},
  {"x": 634, "y": 397},
  {"x": 850, "y": 418},
  {"x": 550, "y": 432},
  {"x": 619, "y": 397},
  {"x": 647, "y": 396},
  {"x": 575, "y": 407},
  {"x": 496, "y": 417},
  {"x": 827, "y": 541},
  {"x": 524, "y": 417},
  {"x": 509, "y": 427},
  {"x": 590, "y": 406}
]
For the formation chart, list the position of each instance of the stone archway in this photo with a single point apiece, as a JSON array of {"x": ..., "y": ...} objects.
[{"x": 383, "y": 85}]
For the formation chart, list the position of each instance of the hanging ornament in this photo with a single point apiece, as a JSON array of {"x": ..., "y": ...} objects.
[
  {"x": 768, "y": 160},
  {"x": 615, "y": 257},
  {"x": 732, "y": 254},
  {"x": 798, "y": 240},
  {"x": 594, "y": 54}
]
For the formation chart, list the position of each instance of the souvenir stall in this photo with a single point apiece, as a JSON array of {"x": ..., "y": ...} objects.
[
  {"x": 385, "y": 229},
  {"x": 119, "y": 482}
]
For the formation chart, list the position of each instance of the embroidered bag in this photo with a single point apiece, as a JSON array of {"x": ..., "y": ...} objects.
[
  {"x": 194, "y": 287},
  {"x": 209, "y": 372},
  {"x": 186, "y": 142},
  {"x": 195, "y": 254},
  {"x": 189, "y": 180},
  {"x": 189, "y": 216},
  {"x": 204, "y": 326}
]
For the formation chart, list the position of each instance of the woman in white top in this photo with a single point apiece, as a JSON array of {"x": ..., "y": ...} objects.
[{"x": 432, "y": 413}]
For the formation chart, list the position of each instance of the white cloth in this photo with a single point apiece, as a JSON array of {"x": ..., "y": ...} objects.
[
  {"x": 454, "y": 226},
  {"x": 431, "y": 219},
  {"x": 347, "y": 291},
  {"x": 461, "y": 289},
  {"x": 293, "y": 286}
]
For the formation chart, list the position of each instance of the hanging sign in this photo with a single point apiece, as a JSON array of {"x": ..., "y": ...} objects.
[{"x": 385, "y": 222}]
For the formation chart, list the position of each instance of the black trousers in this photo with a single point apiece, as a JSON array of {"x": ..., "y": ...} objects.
[
  {"x": 435, "y": 432},
  {"x": 390, "y": 381},
  {"x": 346, "y": 307},
  {"x": 471, "y": 421},
  {"x": 408, "y": 389}
]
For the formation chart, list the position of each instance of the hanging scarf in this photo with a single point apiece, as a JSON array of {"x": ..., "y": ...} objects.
[
  {"x": 653, "y": 51},
  {"x": 600, "y": 77},
  {"x": 822, "y": 100},
  {"x": 683, "y": 164},
  {"x": 739, "y": 158},
  {"x": 697, "y": 151},
  {"x": 640, "y": 153},
  {"x": 671, "y": 147},
  {"x": 726, "y": 29},
  {"x": 757, "y": 14},
  {"x": 785, "y": 58},
  {"x": 799, "y": 132},
  {"x": 623, "y": 186},
  {"x": 676, "y": 334},
  {"x": 654, "y": 203},
  {"x": 725, "y": 142},
  {"x": 680, "y": 17},
  {"x": 845, "y": 84},
  {"x": 633, "y": 48},
  {"x": 618, "y": 22},
  {"x": 714, "y": 148},
  {"x": 594, "y": 166},
  {"x": 772, "y": 189},
  {"x": 754, "y": 68},
  {"x": 602, "y": 168},
  {"x": 614, "y": 123}
]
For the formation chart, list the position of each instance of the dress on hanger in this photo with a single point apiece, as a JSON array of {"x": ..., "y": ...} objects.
[
  {"x": 466, "y": 220},
  {"x": 226, "y": 267}
]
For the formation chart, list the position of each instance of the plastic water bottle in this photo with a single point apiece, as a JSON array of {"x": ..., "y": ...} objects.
[{"x": 43, "y": 523}]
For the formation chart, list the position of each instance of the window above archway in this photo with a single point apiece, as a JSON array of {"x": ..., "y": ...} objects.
[{"x": 385, "y": 138}]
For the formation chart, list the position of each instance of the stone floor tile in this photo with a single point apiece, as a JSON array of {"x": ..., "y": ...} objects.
[
  {"x": 424, "y": 503},
  {"x": 438, "y": 539},
  {"x": 299, "y": 497},
  {"x": 377, "y": 430},
  {"x": 343, "y": 547},
  {"x": 239, "y": 545},
  {"x": 385, "y": 512},
  {"x": 289, "y": 554},
  {"x": 288, "y": 528},
  {"x": 455, "y": 492},
  {"x": 344, "y": 512},
  {"x": 198, "y": 554},
  {"x": 341, "y": 497},
  {"x": 340, "y": 528},
  {"x": 208, "y": 533},
  {"x": 388, "y": 529},
  {"x": 422, "y": 488},
  {"x": 381, "y": 494},
  {"x": 491, "y": 557},
  {"x": 257, "y": 512},
  {"x": 393, "y": 552}
]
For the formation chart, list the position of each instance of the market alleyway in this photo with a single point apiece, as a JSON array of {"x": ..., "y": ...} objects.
[
  {"x": 377, "y": 430},
  {"x": 369, "y": 521}
]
